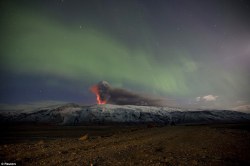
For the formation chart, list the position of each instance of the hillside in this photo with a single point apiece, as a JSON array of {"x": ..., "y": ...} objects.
[{"x": 73, "y": 114}]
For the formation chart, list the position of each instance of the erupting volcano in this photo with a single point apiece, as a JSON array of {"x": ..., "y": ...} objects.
[
  {"x": 94, "y": 89},
  {"x": 106, "y": 94},
  {"x": 101, "y": 91}
]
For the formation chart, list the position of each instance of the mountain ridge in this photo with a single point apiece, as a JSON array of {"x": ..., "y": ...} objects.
[{"x": 74, "y": 114}]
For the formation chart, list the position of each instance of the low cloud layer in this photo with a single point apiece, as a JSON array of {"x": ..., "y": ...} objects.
[
  {"x": 207, "y": 98},
  {"x": 242, "y": 108}
]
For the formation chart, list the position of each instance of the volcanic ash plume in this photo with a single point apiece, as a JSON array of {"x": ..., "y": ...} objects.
[
  {"x": 105, "y": 94},
  {"x": 101, "y": 90}
]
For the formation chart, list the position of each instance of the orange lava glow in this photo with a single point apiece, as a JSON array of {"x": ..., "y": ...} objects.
[{"x": 94, "y": 89}]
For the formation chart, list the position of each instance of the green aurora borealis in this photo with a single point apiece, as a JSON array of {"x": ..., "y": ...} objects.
[{"x": 130, "y": 52}]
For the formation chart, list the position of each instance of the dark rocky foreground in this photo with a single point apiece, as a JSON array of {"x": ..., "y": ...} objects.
[{"x": 224, "y": 144}]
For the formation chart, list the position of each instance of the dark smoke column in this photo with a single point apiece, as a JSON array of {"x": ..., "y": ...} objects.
[
  {"x": 101, "y": 90},
  {"x": 105, "y": 94}
]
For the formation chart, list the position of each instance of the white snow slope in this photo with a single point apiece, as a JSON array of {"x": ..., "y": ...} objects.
[{"x": 73, "y": 114}]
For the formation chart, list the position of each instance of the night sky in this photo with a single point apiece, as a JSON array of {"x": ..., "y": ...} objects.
[{"x": 195, "y": 52}]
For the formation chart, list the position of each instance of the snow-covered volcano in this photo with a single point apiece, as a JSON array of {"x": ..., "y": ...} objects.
[{"x": 73, "y": 114}]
